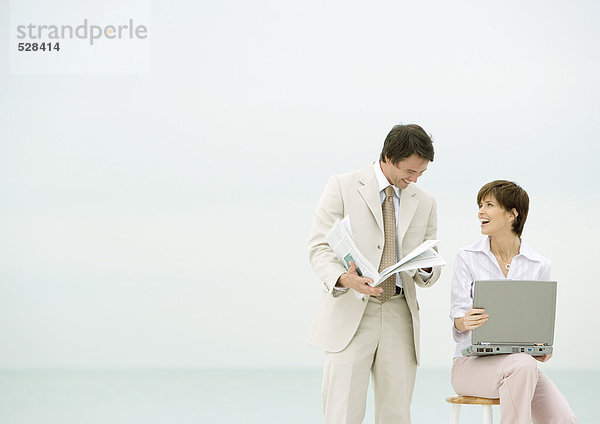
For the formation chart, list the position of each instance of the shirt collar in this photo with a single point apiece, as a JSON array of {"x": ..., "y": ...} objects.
[
  {"x": 483, "y": 245},
  {"x": 382, "y": 182},
  {"x": 529, "y": 253}
]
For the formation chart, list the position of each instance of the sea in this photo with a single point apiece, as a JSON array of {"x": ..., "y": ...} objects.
[{"x": 228, "y": 396}]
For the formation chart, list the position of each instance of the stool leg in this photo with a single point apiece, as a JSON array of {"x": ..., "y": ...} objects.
[
  {"x": 455, "y": 414},
  {"x": 488, "y": 414}
]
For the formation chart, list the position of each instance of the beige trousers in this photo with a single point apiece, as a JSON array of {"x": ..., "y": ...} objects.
[
  {"x": 525, "y": 393},
  {"x": 382, "y": 346}
]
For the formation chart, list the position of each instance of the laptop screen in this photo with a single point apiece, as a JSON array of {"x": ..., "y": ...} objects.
[{"x": 520, "y": 312}]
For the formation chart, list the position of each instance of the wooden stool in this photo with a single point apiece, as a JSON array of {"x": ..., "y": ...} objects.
[{"x": 457, "y": 401}]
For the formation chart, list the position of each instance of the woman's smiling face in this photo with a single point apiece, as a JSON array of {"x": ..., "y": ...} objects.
[{"x": 494, "y": 219}]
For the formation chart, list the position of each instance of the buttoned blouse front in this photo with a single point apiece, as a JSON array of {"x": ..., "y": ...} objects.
[{"x": 477, "y": 262}]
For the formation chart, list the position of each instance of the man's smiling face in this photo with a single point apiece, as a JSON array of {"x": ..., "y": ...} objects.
[{"x": 404, "y": 172}]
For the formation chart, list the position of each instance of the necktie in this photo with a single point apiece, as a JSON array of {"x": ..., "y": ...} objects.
[{"x": 388, "y": 257}]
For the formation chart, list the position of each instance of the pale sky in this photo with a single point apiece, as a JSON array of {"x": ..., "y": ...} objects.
[{"x": 161, "y": 219}]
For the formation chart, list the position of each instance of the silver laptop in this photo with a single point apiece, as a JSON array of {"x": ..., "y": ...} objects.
[{"x": 521, "y": 317}]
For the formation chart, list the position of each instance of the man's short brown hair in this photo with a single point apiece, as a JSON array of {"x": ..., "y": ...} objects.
[
  {"x": 404, "y": 141},
  {"x": 509, "y": 196}
]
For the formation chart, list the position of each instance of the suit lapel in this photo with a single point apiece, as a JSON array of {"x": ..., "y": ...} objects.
[
  {"x": 408, "y": 206},
  {"x": 369, "y": 190}
]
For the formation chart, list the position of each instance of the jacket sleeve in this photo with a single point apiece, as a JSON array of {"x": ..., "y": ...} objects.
[
  {"x": 322, "y": 258},
  {"x": 430, "y": 234}
]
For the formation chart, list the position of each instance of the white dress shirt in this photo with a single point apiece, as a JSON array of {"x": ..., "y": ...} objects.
[
  {"x": 383, "y": 183},
  {"x": 477, "y": 262}
]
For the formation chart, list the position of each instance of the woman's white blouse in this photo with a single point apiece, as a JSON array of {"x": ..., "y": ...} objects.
[{"x": 477, "y": 262}]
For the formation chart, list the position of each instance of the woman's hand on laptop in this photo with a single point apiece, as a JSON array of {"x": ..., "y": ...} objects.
[
  {"x": 543, "y": 358},
  {"x": 473, "y": 319}
]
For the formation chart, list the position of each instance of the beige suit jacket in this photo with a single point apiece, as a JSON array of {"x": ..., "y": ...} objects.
[{"x": 357, "y": 194}]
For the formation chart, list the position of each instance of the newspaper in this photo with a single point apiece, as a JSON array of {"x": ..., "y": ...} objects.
[{"x": 341, "y": 241}]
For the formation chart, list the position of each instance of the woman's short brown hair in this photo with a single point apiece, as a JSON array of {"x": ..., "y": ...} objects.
[{"x": 510, "y": 196}]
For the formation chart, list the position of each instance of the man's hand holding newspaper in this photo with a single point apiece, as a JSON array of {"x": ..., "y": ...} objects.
[
  {"x": 341, "y": 242},
  {"x": 362, "y": 285}
]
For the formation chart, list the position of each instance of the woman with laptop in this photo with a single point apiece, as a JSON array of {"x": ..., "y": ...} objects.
[{"x": 525, "y": 393}]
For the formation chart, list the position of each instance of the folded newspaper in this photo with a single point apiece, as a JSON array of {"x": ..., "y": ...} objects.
[{"x": 341, "y": 241}]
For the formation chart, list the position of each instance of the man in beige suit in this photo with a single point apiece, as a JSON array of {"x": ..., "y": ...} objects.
[{"x": 368, "y": 330}]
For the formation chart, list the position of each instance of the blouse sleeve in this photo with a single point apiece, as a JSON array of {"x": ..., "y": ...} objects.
[
  {"x": 462, "y": 281},
  {"x": 545, "y": 271}
]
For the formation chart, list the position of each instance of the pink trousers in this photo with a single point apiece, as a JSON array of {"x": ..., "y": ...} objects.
[{"x": 525, "y": 393}]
